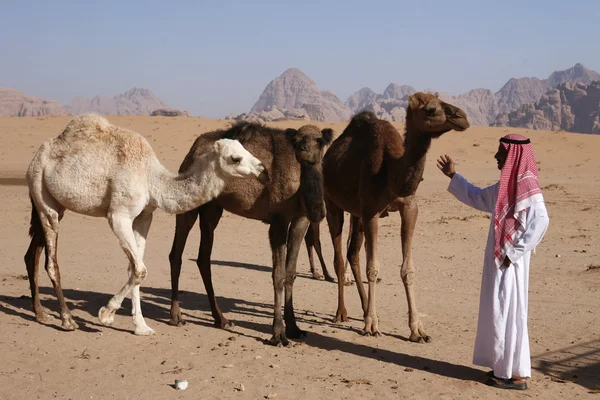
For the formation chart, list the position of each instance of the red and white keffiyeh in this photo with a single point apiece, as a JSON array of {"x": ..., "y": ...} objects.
[{"x": 518, "y": 186}]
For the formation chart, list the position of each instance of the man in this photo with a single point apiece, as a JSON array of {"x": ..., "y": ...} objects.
[{"x": 519, "y": 221}]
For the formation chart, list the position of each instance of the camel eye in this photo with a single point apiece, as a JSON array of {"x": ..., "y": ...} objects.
[
  {"x": 430, "y": 111},
  {"x": 236, "y": 160}
]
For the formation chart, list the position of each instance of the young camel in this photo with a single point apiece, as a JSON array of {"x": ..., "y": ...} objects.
[
  {"x": 101, "y": 170},
  {"x": 294, "y": 197},
  {"x": 313, "y": 240},
  {"x": 369, "y": 169}
]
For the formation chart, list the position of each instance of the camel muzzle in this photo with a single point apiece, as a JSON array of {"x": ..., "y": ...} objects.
[{"x": 262, "y": 174}]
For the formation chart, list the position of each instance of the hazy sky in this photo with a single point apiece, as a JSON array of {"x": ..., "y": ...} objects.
[{"x": 215, "y": 57}]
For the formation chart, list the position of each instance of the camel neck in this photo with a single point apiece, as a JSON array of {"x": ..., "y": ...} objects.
[
  {"x": 177, "y": 194},
  {"x": 409, "y": 168}
]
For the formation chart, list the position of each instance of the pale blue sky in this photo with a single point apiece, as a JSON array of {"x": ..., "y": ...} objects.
[{"x": 215, "y": 57}]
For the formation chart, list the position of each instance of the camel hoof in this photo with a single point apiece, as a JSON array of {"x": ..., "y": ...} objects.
[
  {"x": 144, "y": 331},
  {"x": 317, "y": 276},
  {"x": 295, "y": 333},
  {"x": 420, "y": 339},
  {"x": 377, "y": 334},
  {"x": 225, "y": 324},
  {"x": 106, "y": 316},
  {"x": 348, "y": 283},
  {"x": 340, "y": 319},
  {"x": 43, "y": 315},
  {"x": 68, "y": 324},
  {"x": 279, "y": 341},
  {"x": 330, "y": 279},
  {"x": 177, "y": 322}
]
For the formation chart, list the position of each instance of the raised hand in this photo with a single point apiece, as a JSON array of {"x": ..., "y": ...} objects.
[{"x": 446, "y": 165}]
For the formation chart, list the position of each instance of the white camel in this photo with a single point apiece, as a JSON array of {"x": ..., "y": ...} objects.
[{"x": 101, "y": 170}]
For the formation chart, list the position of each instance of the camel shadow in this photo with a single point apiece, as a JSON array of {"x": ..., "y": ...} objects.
[
  {"x": 579, "y": 364},
  {"x": 236, "y": 264},
  {"x": 409, "y": 362},
  {"x": 255, "y": 267},
  {"x": 155, "y": 306}
]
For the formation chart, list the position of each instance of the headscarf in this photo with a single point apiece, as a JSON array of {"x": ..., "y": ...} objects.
[{"x": 519, "y": 187}]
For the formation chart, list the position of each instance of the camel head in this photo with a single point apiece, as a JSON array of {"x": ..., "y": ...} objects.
[
  {"x": 433, "y": 116},
  {"x": 310, "y": 143},
  {"x": 235, "y": 161}
]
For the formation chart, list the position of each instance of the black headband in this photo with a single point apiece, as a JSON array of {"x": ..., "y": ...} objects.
[{"x": 513, "y": 141}]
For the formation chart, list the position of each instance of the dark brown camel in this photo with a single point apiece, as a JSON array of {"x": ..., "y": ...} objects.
[
  {"x": 369, "y": 168},
  {"x": 292, "y": 199}
]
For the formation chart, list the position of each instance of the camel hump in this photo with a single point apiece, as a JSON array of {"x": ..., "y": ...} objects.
[
  {"x": 365, "y": 116},
  {"x": 244, "y": 131},
  {"x": 90, "y": 121}
]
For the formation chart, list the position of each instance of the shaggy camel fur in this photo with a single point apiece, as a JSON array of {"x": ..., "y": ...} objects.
[
  {"x": 98, "y": 169},
  {"x": 369, "y": 168},
  {"x": 295, "y": 196}
]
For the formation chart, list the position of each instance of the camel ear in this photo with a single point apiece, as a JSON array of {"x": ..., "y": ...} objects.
[
  {"x": 327, "y": 135},
  {"x": 413, "y": 102},
  {"x": 219, "y": 146},
  {"x": 291, "y": 134}
]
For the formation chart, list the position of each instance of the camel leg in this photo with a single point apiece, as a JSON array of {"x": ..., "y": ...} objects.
[
  {"x": 409, "y": 213},
  {"x": 335, "y": 220},
  {"x": 122, "y": 226},
  {"x": 371, "y": 321},
  {"x": 141, "y": 226},
  {"x": 50, "y": 218},
  {"x": 278, "y": 231},
  {"x": 309, "y": 240},
  {"x": 356, "y": 241},
  {"x": 32, "y": 259},
  {"x": 297, "y": 230},
  {"x": 317, "y": 245},
  {"x": 348, "y": 272},
  {"x": 210, "y": 214},
  {"x": 183, "y": 224}
]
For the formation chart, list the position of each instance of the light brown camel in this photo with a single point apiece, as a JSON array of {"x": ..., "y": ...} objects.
[
  {"x": 101, "y": 170},
  {"x": 295, "y": 196},
  {"x": 369, "y": 168}
]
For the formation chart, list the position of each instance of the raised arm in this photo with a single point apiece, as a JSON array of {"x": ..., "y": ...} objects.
[{"x": 471, "y": 195}]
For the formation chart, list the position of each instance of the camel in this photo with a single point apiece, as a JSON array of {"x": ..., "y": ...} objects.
[
  {"x": 313, "y": 240},
  {"x": 370, "y": 169},
  {"x": 292, "y": 199},
  {"x": 101, "y": 170}
]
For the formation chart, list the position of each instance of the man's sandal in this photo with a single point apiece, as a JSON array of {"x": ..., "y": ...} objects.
[{"x": 500, "y": 383}]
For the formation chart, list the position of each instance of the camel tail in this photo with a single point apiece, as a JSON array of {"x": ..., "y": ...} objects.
[{"x": 35, "y": 225}]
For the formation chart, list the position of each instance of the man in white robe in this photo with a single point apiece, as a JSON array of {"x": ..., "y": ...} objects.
[{"x": 519, "y": 221}]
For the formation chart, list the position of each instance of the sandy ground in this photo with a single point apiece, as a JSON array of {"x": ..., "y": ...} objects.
[{"x": 334, "y": 361}]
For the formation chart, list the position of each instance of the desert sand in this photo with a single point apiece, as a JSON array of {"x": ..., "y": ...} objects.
[{"x": 334, "y": 361}]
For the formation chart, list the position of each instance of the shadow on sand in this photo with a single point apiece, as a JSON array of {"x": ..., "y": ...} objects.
[{"x": 156, "y": 302}]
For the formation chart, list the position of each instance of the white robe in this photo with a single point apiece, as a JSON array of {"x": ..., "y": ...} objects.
[{"x": 502, "y": 341}]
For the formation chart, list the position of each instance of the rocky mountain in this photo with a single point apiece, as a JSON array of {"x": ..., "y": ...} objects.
[
  {"x": 136, "y": 101},
  {"x": 573, "y": 107},
  {"x": 16, "y": 104},
  {"x": 293, "y": 90},
  {"x": 481, "y": 105}
]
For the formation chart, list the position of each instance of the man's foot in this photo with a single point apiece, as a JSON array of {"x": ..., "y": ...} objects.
[{"x": 499, "y": 383}]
